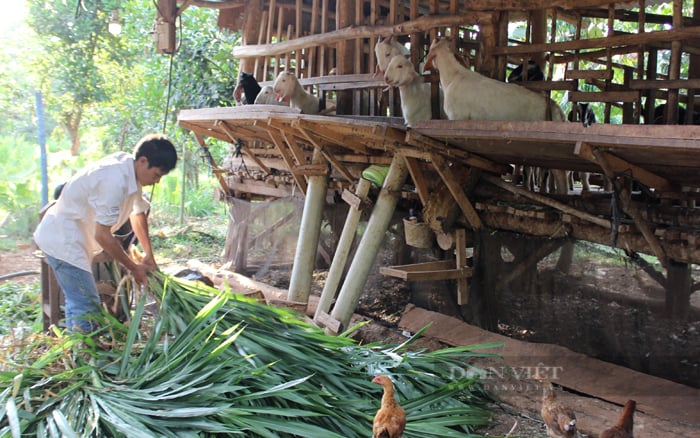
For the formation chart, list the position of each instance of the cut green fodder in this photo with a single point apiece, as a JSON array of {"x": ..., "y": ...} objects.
[{"x": 211, "y": 363}]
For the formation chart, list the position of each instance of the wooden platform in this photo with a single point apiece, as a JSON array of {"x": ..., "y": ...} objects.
[
  {"x": 665, "y": 159},
  {"x": 669, "y": 152}
]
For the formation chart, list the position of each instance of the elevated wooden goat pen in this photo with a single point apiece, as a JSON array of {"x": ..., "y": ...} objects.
[{"x": 461, "y": 172}]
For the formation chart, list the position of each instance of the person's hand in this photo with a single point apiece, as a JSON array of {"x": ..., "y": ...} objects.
[
  {"x": 149, "y": 262},
  {"x": 139, "y": 272}
]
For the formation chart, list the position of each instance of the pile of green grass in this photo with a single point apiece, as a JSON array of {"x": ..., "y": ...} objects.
[{"x": 217, "y": 364}]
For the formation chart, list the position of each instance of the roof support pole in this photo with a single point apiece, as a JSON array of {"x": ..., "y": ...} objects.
[
  {"x": 341, "y": 253},
  {"x": 309, "y": 231},
  {"x": 371, "y": 241}
]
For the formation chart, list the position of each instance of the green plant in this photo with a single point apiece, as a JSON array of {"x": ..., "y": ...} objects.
[
  {"x": 214, "y": 363},
  {"x": 20, "y": 307}
]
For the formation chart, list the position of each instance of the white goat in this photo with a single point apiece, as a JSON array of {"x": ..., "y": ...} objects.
[
  {"x": 287, "y": 87},
  {"x": 415, "y": 93},
  {"x": 472, "y": 96},
  {"x": 266, "y": 96},
  {"x": 385, "y": 49}
]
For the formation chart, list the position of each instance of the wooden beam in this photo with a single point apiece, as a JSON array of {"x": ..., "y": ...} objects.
[
  {"x": 322, "y": 319},
  {"x": 215, "y": 167},
  {"x": 546, "y": 201},
  {"x": 592, "y": 43},
  {"x": 294, "y": 147},
  {"x": 550, "y": 85},
  {"x": 461, "y": 262},
  {"x": 336, "y": 135},
  {"x": 272, "y": 228},
  {"x": 603, "y": 96},
  {"x": 618, "y": 166},
  {"x": 529, "y": 263},
  {"x": 448, "y": 177},
  {"x": 310, "y": 170},
  {"x": 418, "y": 179},
  {"x": 244, "y": 147},
  {"x": 327, "y": 155},
  {"x": 279, "y": 142},
  {"x": 352, "y": 32},
  {"x": 665, "y": 84},
  {"x": 588, "y": 74},
  {"x": 352, "y": 199},
  {"x": 467, "y": 158},
  {"x": 631, "y": 209},
  {"x": 429, "y": 271}
]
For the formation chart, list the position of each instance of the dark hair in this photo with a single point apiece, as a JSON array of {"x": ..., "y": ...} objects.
[
  {"x": 57, "y": 191},
  {"x": 159, "y": 151}
]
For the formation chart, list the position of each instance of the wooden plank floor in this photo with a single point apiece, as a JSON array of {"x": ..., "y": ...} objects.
[{"x": 665, "y": 409}]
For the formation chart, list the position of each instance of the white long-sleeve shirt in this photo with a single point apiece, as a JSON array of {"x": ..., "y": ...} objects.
[{"x": 105, "y": 192}]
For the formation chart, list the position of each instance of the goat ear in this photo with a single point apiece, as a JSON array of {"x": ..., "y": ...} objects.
[{"x": 389, "y": 39}]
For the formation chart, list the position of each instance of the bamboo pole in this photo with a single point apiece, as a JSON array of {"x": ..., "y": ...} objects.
[
  {"x": 341, "y": 253},
  {"x": 309, "y": 231},
  {"x": 371, "y": 241},
  {"x": 328, "y": 38}
]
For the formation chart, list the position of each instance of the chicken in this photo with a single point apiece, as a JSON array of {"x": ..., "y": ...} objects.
[
  {"x": 625, "y": 424},
  {"x": 390, "y": 419},
  {"x": 559, "y": 418}
]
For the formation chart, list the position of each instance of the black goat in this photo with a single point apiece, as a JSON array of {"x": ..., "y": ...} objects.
[
  {"x": 534, "y": 73},
  {"x": 660, "y": 115},
  {"x": 585, "y": 114},
  {"x": 247, "y": 86}
]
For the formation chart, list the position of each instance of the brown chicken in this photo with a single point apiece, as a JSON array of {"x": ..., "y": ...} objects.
[
  {"x": 559, "y": 418},
  {"x": 625, "y": 424},
  {"x": 390, "y": 420}
]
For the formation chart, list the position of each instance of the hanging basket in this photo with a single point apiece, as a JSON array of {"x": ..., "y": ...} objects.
[{"x": 418, "y": 234}]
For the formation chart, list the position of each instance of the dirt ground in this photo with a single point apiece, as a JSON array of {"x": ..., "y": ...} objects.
[{"x": 22, "y": 259}]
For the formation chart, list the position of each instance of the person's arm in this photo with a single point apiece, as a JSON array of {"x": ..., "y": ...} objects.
[
  {"x": 112, "y": 246},
  {"x": 139, "y": 223}
]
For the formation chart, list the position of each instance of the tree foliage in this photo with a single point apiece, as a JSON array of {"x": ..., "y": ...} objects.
[{"x": 74, "y": 43}]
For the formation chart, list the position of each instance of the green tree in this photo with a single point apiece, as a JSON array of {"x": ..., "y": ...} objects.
[{"x": 75, "y": 48}]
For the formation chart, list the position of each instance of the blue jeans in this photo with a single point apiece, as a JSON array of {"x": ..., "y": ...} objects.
[{"x": 80, "y": 291}]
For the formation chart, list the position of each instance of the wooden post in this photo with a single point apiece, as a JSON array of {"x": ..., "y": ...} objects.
[
  {"x": 371, "y": 241},
  {"x": 344, "y": 53},
  {"x": 341, "y": 254},
  {"x": 461, "y": 262},
  {"x": 678, "y": 287},
  {"x": 309, "y": 231},
  {"x": 539, "y": 36},
  {"x": 674, "y": 67},
  {"x": 165, "y": 26},
  {"x": 51, "y": 296},
  {"x": 252, "y": 14}
]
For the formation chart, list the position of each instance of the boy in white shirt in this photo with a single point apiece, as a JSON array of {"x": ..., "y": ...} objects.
[{"x": 93, "y": 204}]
